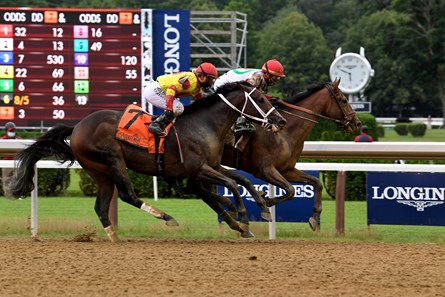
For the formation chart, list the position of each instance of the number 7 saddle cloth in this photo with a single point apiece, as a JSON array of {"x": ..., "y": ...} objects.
[{"x": 133, "y": 129}]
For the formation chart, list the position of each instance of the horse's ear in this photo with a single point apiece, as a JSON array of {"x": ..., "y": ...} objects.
[{"x": 336, "y": 82}]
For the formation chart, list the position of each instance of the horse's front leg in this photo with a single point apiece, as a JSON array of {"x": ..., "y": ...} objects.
[
  {"x": 297, "y": 176},
  {"x": 272, "y": 176},
  {"x": 245, "y": 182},
  {"x": 196, "y": 187},
  {"x": 213, "y": 200},
  {"x": 210, "y": 176}
]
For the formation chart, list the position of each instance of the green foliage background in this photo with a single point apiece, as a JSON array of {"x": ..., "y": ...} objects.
[{"x": 403, "y": 40}]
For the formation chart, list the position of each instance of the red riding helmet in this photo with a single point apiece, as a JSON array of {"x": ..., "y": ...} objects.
[
  {"x": 274, "y": 68},
  {"x": 207, "y": 69}
]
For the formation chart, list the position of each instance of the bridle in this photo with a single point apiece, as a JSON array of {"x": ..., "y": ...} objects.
[
  {"x": 343, "y": 123},
  {"x": 264, "y": 120}
]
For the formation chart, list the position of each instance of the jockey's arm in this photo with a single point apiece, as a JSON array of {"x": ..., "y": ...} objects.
[
  {"x": 170, "y": 95},
  {"x": 255, "y": 80}
]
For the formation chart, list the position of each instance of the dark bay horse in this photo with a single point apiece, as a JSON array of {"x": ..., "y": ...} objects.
[
  {"x": 272, "y": 157},
  {"x": 201, "y": 131}
]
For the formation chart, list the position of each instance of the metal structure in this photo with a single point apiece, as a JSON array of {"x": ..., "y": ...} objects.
[{"x": 219, "y": 37}]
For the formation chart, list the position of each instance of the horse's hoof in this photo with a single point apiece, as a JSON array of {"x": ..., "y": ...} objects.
[
  {"x": 244, "y": 227},
  {"x": 266, "y": 216},
  {"x": 313, "y": 224},
  {"x": 247, "y": 234},
  {"x": 172, "y": 222},
  {"x": 261, "y": 194}
]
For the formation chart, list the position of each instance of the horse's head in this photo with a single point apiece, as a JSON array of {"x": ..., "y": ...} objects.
[
  {"x": 255, "y": 106},
  {"x": 324, "y": 101},
  {"x": 344, "y": 115}
]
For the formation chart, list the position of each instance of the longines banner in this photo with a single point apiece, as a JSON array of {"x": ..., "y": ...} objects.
[
  {"x": 171, "y": 43},
  {"x": 299, "y": 209},
  {"x": 406, "y": 198}
]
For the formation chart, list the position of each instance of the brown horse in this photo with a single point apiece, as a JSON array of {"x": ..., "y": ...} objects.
[
  {"x": 201, "y": 131},
  {"x": 272, "y": 157}
]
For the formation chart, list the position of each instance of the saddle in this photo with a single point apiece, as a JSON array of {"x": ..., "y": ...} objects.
[{"x": 133, "y": 129}]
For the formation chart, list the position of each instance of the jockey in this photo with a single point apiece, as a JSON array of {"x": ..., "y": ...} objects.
[
  {"x": 163, "y": 92},
  {"x": 262, "y": 78}
]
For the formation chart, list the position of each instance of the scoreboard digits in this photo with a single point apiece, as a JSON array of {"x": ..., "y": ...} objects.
[{"x": 62, "y": 64}]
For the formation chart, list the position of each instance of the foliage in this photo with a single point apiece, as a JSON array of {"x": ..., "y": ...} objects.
[
  {"x": 142, "y": 185},
  {"x": 299, "y": 46},
  {"x": 401, "y": 129},
  {"x": 369, "y": 120},
  {"x": 86, "y": 183},
  {"x": 381, "y": 130},
  {"x": 403, "y": 41},
  {"x": 417, "y": 129},
  {"x": 53, "y": 182},
  {"x": 355, "y": 188}
]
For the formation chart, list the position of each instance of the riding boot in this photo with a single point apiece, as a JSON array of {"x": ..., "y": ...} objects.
[
  {"x": 243, "y": 127},
  {"x": 158, "y": 125}
]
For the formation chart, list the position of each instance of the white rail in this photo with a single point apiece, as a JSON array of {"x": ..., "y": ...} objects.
[{"x": 312, "y": 150}]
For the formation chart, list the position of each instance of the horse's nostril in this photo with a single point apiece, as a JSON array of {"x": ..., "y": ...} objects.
[{"x": 282, "y": 123}]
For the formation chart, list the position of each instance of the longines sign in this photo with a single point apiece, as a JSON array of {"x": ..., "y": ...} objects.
[
  {"x": 406, "y": 198},
  {"x": 299, "y": 209}
]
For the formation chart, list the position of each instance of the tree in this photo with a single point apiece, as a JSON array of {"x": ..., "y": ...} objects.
[
  {"x": 383, "y": 35},
  {"x": 299, "y": 45},
  {"x": 427, "y": 29}
]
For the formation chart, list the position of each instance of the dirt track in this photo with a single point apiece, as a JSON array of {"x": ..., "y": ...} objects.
[{"x": 180, "y": 267}]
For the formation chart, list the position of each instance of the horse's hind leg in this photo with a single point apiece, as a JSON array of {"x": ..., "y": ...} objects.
[
  {"x": 102, "y": 206},
  {"x": 127, "y": 194}
]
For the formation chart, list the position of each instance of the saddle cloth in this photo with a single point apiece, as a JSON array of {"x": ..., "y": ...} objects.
[{"x": 133, "y": 129}]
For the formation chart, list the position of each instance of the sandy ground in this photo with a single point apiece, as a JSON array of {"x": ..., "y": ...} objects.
[{"x": 184, "y": 267}]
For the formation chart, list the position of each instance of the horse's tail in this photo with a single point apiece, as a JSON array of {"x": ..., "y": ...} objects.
[{"x": 51, "y": 144}]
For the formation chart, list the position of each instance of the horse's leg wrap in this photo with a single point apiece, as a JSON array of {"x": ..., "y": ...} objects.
[
  {"x": 111, "y": 233},
  {"x": 157, "y": 213}
]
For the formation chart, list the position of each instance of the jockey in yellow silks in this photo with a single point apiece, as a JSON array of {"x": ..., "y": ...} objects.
[{"x": 165, "y": 91}]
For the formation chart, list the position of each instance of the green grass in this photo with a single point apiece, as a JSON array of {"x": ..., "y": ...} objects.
[
  {"x": 435, "y": 135},
  {"x": 73, "y": 214},
  {"x": 68, "y": 217}
]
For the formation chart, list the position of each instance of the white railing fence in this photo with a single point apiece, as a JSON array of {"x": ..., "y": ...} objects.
[{"x": 317, "y": 150}]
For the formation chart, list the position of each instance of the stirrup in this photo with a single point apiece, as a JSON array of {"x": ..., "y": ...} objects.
[{"x": 156, "y": 129}]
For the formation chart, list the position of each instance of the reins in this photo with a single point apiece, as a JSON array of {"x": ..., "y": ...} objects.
[
  {"x": 347, "y": 118},
  {"x": 264, "y": 121}
]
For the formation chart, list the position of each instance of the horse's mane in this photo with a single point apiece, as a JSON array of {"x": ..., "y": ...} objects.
[
  {"x": 211, "y": 99},
  {"x": 294, "y": 97}
]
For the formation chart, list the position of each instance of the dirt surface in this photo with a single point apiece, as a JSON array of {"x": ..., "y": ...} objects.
[{"x": 183, "y": 267}]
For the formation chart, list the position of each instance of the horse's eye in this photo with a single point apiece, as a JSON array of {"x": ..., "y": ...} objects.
[{"x": 261, "y": 100}]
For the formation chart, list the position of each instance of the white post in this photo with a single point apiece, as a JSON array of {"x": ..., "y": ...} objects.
[
  {"x": 34, "y": 206},
  {"x": 272, "y": 224},
  {"x": 155, "y": 188}
]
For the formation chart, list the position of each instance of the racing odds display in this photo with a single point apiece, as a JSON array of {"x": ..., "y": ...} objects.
[{"x": 59, "y": 65}]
